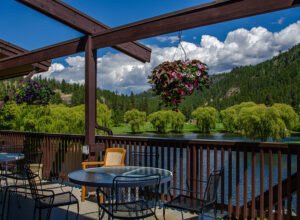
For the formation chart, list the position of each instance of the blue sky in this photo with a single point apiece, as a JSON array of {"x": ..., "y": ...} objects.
[{"x": 222, "y": 46}]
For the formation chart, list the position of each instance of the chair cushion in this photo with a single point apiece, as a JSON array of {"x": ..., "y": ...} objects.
[
  {"x": 114, "y": 158},
  {"x": 186, "y": 203}
]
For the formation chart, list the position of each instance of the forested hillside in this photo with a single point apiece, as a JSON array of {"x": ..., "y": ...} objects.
[{"x": 273, "y": 81}]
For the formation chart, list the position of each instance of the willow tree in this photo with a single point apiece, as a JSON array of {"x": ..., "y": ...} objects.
[
  {"x": 177, "y": 121},
  {"x": 231, "y": 114},
  {"x": 261, "y": 122},
  {"x": 206, "y": 118},
  {"x": 135, "y": 119},
  {"x": 287, "y": 114},
  {"x": 160, "y": 120}
]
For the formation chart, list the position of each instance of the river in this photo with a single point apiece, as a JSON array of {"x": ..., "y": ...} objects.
[{"x": 214, "y": 136}]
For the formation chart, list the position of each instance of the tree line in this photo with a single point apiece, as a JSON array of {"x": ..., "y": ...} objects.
[{"x": 255, "y": 121}]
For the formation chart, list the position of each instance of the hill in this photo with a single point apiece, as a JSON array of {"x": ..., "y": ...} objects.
[{"x": 275, "y": 80}]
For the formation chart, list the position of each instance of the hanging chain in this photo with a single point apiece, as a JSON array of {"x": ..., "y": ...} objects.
[{"x": 179, "y": 45}]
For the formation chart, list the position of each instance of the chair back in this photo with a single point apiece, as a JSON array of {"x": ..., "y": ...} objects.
[
  {"x": 131, "y": 197},
  {"x": 32, "y": 183},
  {"x": 211, "y": 191},
  {"x": 114, "y": 157},
  {"x": 139, "y": 194},
  {"x": 29, "y": 158}
]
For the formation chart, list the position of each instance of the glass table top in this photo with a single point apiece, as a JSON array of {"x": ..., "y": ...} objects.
[
  {"x": 103, "y": 176},
  {"x": 5, "y": 157}
]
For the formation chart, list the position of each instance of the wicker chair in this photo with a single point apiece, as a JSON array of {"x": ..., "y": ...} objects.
[
  {"x": 44, "y": 199},
  {"x": 112, "y": 157},
  {"x": 193, "y": 203},
  {"x": 131, "y": 197}
]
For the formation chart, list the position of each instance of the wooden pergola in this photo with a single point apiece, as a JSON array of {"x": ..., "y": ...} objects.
[{"x": 122, "y": 38}]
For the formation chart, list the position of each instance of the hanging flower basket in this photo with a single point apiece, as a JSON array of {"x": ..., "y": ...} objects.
[
  {"x": 33, "y": 94},
  {"x": 173, "y": 80}
]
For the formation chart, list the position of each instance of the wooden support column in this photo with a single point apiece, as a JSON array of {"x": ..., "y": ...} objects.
[{"x": 90, "y": 94}]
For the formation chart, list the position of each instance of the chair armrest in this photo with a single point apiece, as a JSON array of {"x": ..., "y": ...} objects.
[{"x": 89, "y": 163}]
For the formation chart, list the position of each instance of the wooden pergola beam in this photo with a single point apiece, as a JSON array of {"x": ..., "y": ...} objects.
[
  {"x": 83, "y": 23},
  {"x": 202, "y": 15},
  {"x": 210, "y": 13},
  {"x": 8, "y": 50}
]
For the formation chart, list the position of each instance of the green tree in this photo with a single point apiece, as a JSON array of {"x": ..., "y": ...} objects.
[
  {"x": 229, "y": 115},
  {"x": 261, "y": 122},
  {"x": 56, "y": 98},
  {"x": 287, "y": 114},
  {"x": 206, "y": 118},
  {"x": 160, "y": 120},
  {"x": 78, "y": 96},
  {"x": 177, "y": 121},
  {"x": 135, "y": 119}
]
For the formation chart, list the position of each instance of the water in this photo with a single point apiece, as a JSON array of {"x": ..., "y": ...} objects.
[{"x": 215, "y": 136}]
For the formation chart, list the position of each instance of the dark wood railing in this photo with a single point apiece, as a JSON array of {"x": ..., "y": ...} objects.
[{"x": 258, "y": 176}]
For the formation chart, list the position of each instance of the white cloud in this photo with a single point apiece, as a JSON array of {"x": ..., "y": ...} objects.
[
  {"x": 171, "y": 39},
  {"x": 241, "y": 47}
]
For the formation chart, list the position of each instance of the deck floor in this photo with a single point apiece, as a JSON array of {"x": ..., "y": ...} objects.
[{"x": 88, "y": 210}]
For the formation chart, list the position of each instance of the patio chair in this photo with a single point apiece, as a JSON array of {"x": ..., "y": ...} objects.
[
  {"x": 131, "y": 197},
  {"x": 17, "y": 171},
  {"x": 193, "y": 203},
  {"x": 44, "y": 199},
  {"x": 112, "y": 157}
]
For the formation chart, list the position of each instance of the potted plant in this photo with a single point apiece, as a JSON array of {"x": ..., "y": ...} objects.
[
  {"x": 33, "y": 94},
  {"x": 174, "y": 80}
]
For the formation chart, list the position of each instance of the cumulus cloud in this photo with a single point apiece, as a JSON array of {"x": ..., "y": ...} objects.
[{"x": 118, "y": 72}]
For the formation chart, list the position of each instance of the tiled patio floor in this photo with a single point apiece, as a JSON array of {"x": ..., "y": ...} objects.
[{"x": 88, "y": 209}]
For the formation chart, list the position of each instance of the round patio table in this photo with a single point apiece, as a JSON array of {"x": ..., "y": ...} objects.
[
  {"x": 9, "y": 157},
  {"x": 103, "y": 176}
]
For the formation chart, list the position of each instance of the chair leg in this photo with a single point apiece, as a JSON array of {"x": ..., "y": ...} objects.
[
  {"x": 7, "y": 214},
  {"x": 215, "y": 212},
  {"x": 164, "y": 212},
  {"x": 34, "y": 211},
  {"x": 49, "y": 213},
  {"x": 67, "y": 214},
  {"x": 3, "y": 204},
  {"x": 181, "y": 215},
  {"x": 77, "y": 210},
  {"x": 40, "y": 214}
]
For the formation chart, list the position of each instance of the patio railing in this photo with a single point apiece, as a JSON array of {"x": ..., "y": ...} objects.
[{"x": 258, "y": 176}]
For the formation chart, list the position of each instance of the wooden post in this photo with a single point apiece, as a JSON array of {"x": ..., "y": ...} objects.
[{"x": 90, "y": 94}]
